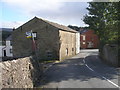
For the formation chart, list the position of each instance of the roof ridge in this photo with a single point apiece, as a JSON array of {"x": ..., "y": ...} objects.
[{"x": 60, "y": 26}]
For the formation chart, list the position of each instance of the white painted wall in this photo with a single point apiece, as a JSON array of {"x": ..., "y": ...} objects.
[
  {"x": 1, "y": 51},
  {"x": 8, "y": 47},
  {"x": 77, "y": 43}
]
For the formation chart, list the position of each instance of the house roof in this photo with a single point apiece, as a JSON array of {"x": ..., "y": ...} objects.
[
  {"x": 83, "y": 31},
  {"x": 61, "y": 27},
  {"x": 6, "y": 29},
  {"x": 9, "y": 38}
]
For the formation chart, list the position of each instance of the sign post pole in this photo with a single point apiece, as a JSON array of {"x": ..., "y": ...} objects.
[{"x": 32, "y": 35}]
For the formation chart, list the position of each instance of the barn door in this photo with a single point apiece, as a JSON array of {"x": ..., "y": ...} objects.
[{"x": 4, "y": 53}]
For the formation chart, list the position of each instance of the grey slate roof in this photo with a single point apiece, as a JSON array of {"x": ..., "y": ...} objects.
[
  {"x": 9, "y": 38},
  {"x": 61, "y": 27},
  {"x": 6, "y": 29},
  {"x": 83, "y": 31}
]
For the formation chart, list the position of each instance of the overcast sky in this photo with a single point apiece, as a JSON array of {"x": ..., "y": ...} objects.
[{"x": 67, "y": 12}]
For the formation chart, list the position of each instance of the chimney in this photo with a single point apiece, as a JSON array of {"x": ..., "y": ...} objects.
[{"x": 13, "y": 28}]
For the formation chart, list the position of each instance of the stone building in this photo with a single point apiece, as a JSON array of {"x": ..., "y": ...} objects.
[{"x": 52, "y": 41}]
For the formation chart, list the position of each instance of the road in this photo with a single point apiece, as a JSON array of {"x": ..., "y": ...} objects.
[{"x": 84, "y": 70}]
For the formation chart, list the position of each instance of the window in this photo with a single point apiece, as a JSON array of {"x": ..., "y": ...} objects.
[
  {"x": 83, "y": 37},
  {"x": 11, "y": 43},
  {"x": 66, "y": 51},
  {"x": 49, "y": 54},
  {"x": 10, "y": 50},
  {"x": 83, "y": 42}
]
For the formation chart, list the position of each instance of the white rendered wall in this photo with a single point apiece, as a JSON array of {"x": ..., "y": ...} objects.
[
  {"x": 8, "y": 47},
  {"x": 77, "y": 43}
]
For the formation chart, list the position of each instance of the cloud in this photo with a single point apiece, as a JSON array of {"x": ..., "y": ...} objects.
[
  {"x": 70, "y": 13},
  {"x": 8, "y": 24},
  {"x": 34, "y": 5},
  {"x": 60, "y": 11}
]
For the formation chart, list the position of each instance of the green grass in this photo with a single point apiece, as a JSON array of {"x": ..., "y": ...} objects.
[{"x": 47, "y": 61}]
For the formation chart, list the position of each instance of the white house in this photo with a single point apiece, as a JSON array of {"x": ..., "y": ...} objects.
[
  {"x": 7, "y": 49},
  {"x": 1, "y": 52}
]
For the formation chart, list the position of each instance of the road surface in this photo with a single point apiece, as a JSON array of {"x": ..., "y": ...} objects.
[{"x": 84, "y": 70}]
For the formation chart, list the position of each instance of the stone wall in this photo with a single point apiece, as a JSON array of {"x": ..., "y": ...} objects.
[
  {"x": 110, "y": 54},
  {"x": 68, "y": 44},
  {"x": 19, "y": 73}
]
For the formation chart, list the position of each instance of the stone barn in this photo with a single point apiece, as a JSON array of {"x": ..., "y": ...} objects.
[{"x": 49, "y": 40}]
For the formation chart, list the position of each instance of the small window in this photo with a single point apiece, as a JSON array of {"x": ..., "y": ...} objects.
[
  {"x": 66, "y": 51},
  {"x": 10, "y": 50},
  {"x": 11, "y": 43},
  {"x": 49, "y": 54},
  {"x": 83, "y": 37},
  {"x": 83, "y": 42}
]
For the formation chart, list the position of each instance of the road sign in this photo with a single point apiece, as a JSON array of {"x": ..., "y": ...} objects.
[{"x": 29, "y": 34}]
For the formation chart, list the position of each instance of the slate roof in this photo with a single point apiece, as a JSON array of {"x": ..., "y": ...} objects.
[
  {"x": 9, "y": 38},
  {"x": 61, "y": 27},
  {"x": 83, "y": 31},
  {"x": 6, "y": 29}
]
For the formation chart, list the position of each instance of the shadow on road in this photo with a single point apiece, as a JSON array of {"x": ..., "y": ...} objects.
[
  {"x": 100, "y": 67},
  {"x": 73, "y": 69}
]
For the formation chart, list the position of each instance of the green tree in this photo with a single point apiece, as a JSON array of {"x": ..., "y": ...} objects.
[{"x": 103, "y": 17}]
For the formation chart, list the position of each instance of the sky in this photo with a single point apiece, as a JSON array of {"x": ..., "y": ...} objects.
[{"x": 66, "y": 12}]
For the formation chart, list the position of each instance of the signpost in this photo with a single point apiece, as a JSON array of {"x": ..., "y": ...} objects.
[{"x": 32, "y": 35}]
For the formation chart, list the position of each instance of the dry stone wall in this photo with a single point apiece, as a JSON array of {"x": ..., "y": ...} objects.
[
  {"x": 110, "y": 54},
  {"x": 20, "y": 73}
]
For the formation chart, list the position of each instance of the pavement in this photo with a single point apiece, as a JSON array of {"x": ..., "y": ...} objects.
[{"x": 84, "y": 70}]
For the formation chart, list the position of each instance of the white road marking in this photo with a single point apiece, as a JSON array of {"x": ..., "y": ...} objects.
[
  {"x": 111, "y": 82},
  {"x": 89, "y": 67},
  {"x": 83, "y": 60},
  {"x": 99, "y": 74}
]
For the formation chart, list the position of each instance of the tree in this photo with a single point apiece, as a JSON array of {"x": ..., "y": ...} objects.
[{"x": 103, "y": 18}]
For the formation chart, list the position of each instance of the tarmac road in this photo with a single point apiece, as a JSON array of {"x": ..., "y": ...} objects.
[{"x": 84, "y": 70}]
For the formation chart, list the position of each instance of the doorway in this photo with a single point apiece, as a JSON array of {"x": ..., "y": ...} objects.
[{"x": 4, "y": 53}]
